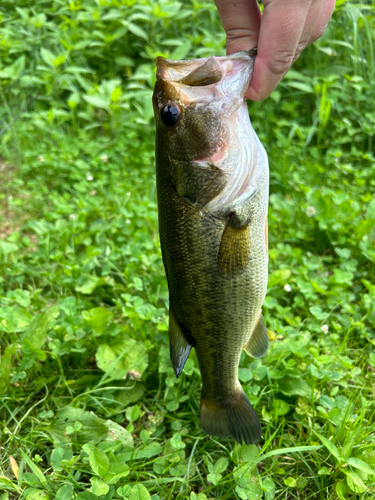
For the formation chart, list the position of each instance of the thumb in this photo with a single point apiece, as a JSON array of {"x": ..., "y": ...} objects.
[{"x": 241, "y": 22}]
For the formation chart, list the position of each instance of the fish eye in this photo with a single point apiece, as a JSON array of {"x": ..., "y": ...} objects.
[{"x": 170, "y": 114}]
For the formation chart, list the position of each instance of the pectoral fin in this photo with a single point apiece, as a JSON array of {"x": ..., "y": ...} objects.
[
  {"x": 258, "y": 342},
  {"x": 179, "y": 346},
  {"x": 234, "y": 251}
]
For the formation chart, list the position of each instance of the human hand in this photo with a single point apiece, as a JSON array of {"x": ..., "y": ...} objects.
[{"x": 280, "y": 34}]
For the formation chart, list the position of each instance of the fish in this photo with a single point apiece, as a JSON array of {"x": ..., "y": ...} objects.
[{"x": 212, "y": 182}]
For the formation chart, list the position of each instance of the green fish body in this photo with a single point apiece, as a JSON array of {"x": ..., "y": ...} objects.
[{"x": 212, "y": 183}]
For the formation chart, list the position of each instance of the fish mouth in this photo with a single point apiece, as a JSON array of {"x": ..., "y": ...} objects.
[
  {"x": 191, "y": 71},
  {"x": 199, "y": 81}
]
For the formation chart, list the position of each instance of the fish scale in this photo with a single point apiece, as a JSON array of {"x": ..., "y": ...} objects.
[{"x": 215, "y": 261}]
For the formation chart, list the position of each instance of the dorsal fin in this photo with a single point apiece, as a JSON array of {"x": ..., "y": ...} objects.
[{"x": 179, "y": 346}]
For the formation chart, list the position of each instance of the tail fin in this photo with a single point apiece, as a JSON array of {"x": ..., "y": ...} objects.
[{"x": 233, "y": 417}]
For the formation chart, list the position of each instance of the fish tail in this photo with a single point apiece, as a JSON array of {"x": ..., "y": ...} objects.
[{"x": 233, "y": 417}]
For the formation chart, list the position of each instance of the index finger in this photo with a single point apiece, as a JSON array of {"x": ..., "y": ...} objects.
[{"x": 280, "y": 32}]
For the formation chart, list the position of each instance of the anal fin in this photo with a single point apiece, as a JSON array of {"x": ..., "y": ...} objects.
[
  {"x": 258, "y": 342},
  {"x": 234, "y": 251},
  {"x": 179, "y": 346}
]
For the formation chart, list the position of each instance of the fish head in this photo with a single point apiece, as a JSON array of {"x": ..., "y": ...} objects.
[{"x": 194, "y": 101}]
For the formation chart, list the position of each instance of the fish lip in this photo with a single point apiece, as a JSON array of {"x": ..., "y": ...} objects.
[
  {"x": 174, "y": 73},
  {"x": 163, "y": 64},
  {"x": 241, "y": 55}
]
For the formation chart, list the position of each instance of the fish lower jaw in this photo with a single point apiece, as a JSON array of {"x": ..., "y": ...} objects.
[{"x": 239, "y": 160}]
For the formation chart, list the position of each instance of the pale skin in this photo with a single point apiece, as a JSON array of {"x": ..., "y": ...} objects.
[{"x": 280, "y": 34}]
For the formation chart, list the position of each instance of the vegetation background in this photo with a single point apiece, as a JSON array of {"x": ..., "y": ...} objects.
[{"x": 89, "y": 407}]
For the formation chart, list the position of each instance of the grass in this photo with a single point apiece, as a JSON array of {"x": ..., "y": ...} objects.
[{"x": 90, "y": 407}]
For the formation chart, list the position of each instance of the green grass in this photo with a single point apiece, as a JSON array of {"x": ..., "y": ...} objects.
[{"x": 89, "y": 404}]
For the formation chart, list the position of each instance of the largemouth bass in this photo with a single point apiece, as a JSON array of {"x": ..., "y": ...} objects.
[{"x": 212, "y": 184}]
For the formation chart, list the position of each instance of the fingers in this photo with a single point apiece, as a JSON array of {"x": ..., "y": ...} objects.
[
  {"x": 325, "y": 16},
  {"x": 310, "y": 23},
  {"x": 281, "y": 30},
  {"x": 286, "y": 28},
  {"x": 241, "y": 22}
]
